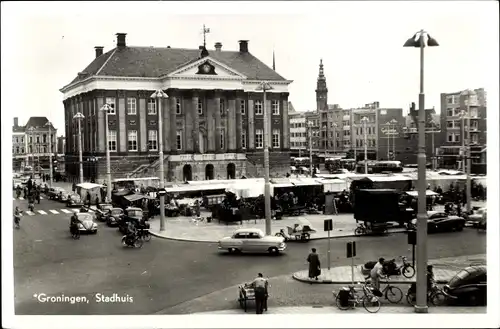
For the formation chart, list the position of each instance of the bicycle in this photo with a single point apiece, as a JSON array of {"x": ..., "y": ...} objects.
[
  {"x": 144, "y": 234},
  {"x": 406, "y": 268},
  {"x": 75, "y": 232},
  {"x": 392, "y": 293},
  {"x": 369, "y": 301},
  {"x": 435, "y": 295}
]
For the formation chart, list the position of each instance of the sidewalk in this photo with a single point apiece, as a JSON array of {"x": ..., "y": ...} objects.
[
  {"x": 444, "y": 270},
  {"x": 183, "y": 228},
  {"x": 299, "y": 310}
]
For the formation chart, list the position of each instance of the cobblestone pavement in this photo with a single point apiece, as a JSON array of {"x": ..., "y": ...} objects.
[
  {"x": 185, "y": 228},
  {"x": 444, "y": 270},
  {"x": 287, "y": 292}
]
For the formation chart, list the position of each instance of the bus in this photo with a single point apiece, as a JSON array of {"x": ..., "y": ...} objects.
[{"x": 378, "y": 167}]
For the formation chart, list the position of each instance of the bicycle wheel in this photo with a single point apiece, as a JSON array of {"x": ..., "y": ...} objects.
[
  {"x": 408, "y": 271},
  {"x": 138, "y": 243},
  {"x": 146, "y": 236},
  {"x": 411, "y": 298},
  {"x": 359, "y": 231},
  {"x": 339, "y": 304},
  {"x": 437, "y": 298},
  {"x": 393, "y": 294},
  {"x": 371, "y": 304}
]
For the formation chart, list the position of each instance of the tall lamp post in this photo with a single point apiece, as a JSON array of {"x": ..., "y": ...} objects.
[
  {"x": 159, "y": 95},
  {"x": 393, "y": 133},
  {"x": 265, "y": 86},
  {"x": 31, "y": 131},
  {"x": 433, "y": 124},
  {"x": 310, "y": 125},
  {"x": 79, "y": 116},
  {"x": 49, "y": 124},
  {"x": 467, "y": 93},
  {"x": 334, "y": 126},
  {"x": 106, "y": 109},
  {"x": 364, "y": 120},
  {"x": 421, "y": 305}
]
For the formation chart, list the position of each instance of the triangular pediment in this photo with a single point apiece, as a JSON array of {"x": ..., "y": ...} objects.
[{"x": 207, "y": 67}]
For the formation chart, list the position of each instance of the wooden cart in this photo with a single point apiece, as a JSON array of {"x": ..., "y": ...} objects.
[{"x": 246, "y": 293}]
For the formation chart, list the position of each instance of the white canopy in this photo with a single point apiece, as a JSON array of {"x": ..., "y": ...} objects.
[
  {"x": 89, "y": 186},
  {"x": 415, "y": 193}
]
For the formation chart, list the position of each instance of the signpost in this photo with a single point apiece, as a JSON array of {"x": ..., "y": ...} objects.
[
  {"x": 412, "y": 239},
  {"x": 351, "y": 253},
  {"x": 328, "y": 226}
]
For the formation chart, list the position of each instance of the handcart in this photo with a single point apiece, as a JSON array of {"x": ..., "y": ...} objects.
[
  {"x": 246, "y": 293},
  {"x": 299, "y": 232}
]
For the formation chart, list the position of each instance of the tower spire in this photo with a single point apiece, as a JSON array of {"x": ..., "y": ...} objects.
[
  {"x": 274, "y": 62},
  {"x": 321, "y": 71}
]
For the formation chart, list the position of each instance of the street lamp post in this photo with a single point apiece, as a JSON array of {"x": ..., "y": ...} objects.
[
  {"x": 421, "y": 305},
  {"x": 334, "y": 126},
  {"x": 49, "y": 124},
  {"x": 310, "y": 125},
  {"x": 364, "y": 120},
  {"x": 79, "y": 116},
  {"x": 159, "y": 95},
  {"x": 433, "y": 124},
  {"x": 106, "y": 108},
  {"x": 393, "y": 133},
  {"x": 31, "y": 130},
  {"x": 468, "y": 93},
  {"x": 265, "y": 86}
]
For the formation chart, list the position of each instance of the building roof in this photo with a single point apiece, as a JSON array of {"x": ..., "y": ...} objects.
[
  {"x": 37, "y": 122},
  {"x": 154, "y": 62}
]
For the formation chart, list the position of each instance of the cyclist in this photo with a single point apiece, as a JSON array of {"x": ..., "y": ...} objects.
[
  {"x": 73, "y": 224},
  {"x": 17, "y": 216}
]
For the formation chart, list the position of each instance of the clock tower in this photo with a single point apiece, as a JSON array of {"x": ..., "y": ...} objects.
[{"x": 321, "y": 90}]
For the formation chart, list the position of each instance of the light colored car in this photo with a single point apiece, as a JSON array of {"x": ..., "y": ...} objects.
[
  {"x": 252, "y": 240},
  {"x": 74, "y": 200},
  {"x": 88, "y": 222}
]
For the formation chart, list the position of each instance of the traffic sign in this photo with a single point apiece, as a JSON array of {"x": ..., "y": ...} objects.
[
  {"x": 351, "y": 249},
  {"x": 328, "y": 225}
]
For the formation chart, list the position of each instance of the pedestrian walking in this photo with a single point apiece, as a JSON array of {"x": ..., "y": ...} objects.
[
  {"x": 260, "y": 286},
  {"x": 377, "y": 273},
  {"x": 314, "y": 264},
  {"x": 37, "y": 196},
  {"x": 73, "y": 187},
  {"x": 88, "y": 198}
]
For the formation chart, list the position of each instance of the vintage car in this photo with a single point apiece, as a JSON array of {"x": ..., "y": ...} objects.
[
  {"x": 54, "y": 193},
  {"x": 252, "y": 240},
  {"x": 102, "y": 211},
  {"x": 477, "y": 216},
  {"x": 88, "y": 224},
  {"x": 113, "y": 216},
  {"x": 64, "y": 196},
  {"x": 74, "y": 200},
  {"x": 467, "y": 287},
  {"x": 130, "y": 214},
  {"x": 441, "y": 222}
]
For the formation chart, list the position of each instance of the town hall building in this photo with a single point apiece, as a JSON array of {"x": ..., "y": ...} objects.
[{"x": 212, "y": 120}]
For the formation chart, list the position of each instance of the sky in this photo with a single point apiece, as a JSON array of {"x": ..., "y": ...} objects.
[{"x": 45, "y": 45}]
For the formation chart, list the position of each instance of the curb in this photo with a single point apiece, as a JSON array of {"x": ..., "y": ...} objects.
[
  {"x": 215, "y": 241},
  {"x": 300, "y": 279}
]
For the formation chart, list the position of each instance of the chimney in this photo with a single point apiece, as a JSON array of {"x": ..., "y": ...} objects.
[
  {"x": 16, "y": 122},
  {"x": 218, "y": 46},
  {"x": 120, "y": 40},
  {"x": 98, "y": 51},
  {"x": 243, "y": 46}
]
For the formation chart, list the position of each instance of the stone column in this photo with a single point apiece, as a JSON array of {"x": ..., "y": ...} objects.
[
  {"x": 232, "y": 137},
  {"x": 239, "y": 123},
  {"x": 174, "y": 94},
  {"x": 270, "y": 120},
  {"x": 218, "y": 121},
  {"x": 188, "y": 124},
  {"x": 122, "y": 127},
  {"x": 143, "y": 138},
  {"x": 285, "y": 124},
  {"x": 196, "y": 121},
  {"x": 166, "y": 108},
  {"x": 211, "y": 108},
  {"x": 251, "y": 125}
]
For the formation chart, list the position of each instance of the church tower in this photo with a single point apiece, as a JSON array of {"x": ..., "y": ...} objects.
[{"x": 321, "y": 90}]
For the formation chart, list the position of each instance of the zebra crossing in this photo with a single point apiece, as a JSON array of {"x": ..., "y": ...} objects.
[
  {"x": 56, "y": 211},
  {"x": 21, "y": 198}
]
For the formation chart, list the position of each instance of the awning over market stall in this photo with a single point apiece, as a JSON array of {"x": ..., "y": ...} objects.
[
  {"x": 134, "y": 197},
  {"x": 415, "y": 193}
]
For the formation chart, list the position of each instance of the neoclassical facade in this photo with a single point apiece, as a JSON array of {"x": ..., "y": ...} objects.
[{"x": 212, "y": 120}]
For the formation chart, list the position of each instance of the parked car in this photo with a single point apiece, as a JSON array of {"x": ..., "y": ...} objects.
[
  {"x": 88, "y": 224},
  {"x": 74, "y": 200},
  {"x": 252, "y": 240},
  {"x": 441, "y": 222},
  {"x": 55, "y": 192},
  {"x": 102, "y": 211},
  {"x": 467, "y": 287},
  {"x": 477, "y": 216},
  {"x": 64, "y": 196},
  {"x": 113, "y": 216}
]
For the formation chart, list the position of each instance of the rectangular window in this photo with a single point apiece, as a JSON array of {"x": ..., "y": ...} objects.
[
  {"x": 200, "y": 107},
  {"x": 153, "y": 140},
  {"x": 112, "y": 140},
  {"x": 178, "y": 108},
  {"x": 222, "y": 107},
  {"x": 244, "y": 140},
  {"x": 449, "y": 124},
  {"x": 258, "y": 107},
  {"x": 259, "y": 143},
  {"x": 44, "y": 138},
  {"x": 222, "y": 139},
  {"x": 132, "y": 140},
  {"x": 449, "y": 112},
  {"x": 276, "y": 107},
  {"x": 111, "y": 102},
  {"x": 178, "y": 140},
  {"x": 473, "y": 112},
  {"x": 457, "y": 138},
  {"x": 131, "y": 106},
  {"x": 242, "y": 107},
  {"x": 276, "y": 138},
  {"x": 152, "y": 106}
]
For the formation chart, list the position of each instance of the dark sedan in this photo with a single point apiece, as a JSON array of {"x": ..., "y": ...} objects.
[
  {"x": 467, "y": 287},
  {"x": 114, "y": 216},
  {"x": 442, "y": 222}
]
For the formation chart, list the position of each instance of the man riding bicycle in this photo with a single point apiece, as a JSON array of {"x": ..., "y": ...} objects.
[
  {"x": 74, "y": 221},
  {"x": 131, "y": 230}
]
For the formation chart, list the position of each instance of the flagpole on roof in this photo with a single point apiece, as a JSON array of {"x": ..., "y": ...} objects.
[{"x": 274, "y": 62}]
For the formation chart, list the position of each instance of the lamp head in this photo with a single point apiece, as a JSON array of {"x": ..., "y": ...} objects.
[
  {"x": 431, "y": 42},
  {"x": 412, "y": 42}
]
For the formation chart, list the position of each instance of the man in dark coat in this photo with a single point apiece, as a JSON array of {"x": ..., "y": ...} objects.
[{"x": 314, "y": 264}]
